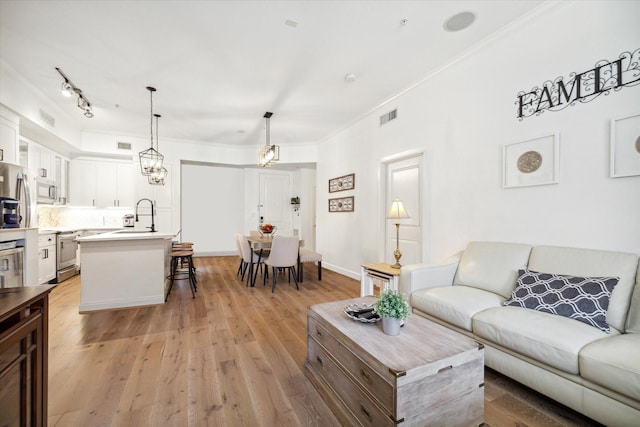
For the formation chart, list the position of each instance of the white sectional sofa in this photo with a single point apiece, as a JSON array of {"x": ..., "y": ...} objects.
[{"x": 595, "y": 372}]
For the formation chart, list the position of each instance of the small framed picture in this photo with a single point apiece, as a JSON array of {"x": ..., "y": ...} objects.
[
  {"x": 625, "y": 146},
  {"x": 343, "y": 204},
  {"x": 342, "y": 183},
  {"x": 531, "y": 162}
]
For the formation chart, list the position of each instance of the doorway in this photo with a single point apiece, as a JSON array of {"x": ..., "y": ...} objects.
[
  {"x": 404, "y": 180},
  {"x": 274, "y": 205}
]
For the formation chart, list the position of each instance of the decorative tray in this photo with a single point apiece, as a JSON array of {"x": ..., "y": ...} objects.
[{"x": 362, "y": 313}]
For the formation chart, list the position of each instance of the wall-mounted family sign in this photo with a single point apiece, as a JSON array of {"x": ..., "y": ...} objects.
[{"x": 583, "y": 87}]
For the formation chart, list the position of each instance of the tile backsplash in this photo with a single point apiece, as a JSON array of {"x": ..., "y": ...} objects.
[{"x": 80, "y": 217}]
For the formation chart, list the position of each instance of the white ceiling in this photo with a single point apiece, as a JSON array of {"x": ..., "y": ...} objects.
[{"x": 219, "y": 65}]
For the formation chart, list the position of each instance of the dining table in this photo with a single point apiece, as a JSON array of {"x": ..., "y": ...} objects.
[{"x": 260, "y": 243}]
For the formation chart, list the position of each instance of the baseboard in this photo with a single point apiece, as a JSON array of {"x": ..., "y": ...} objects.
[
  {"x": 120, "y": 303},
  {"x": 344, "y": 272}
]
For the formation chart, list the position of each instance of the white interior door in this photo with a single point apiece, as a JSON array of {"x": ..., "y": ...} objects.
[
  {"x": 404, "y": 181},
  {"x": 274, "y": 201}
]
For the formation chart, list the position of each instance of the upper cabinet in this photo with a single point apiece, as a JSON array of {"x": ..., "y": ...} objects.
[
  {"x": 9, "y": 136},
  {"x": 42, "y": 160},
  {"x": 101, "y": 183},
  {"x": 161, "y": 194},
  {"x": 62, "y": 180}
]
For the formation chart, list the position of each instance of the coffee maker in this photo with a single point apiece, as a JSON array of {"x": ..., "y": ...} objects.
[{"x": 9, "y": 217}]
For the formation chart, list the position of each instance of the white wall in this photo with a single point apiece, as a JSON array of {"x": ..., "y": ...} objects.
[
  {"x": 27, "y": 101},
  {"x": 462, "y": 116},
  {"x": 211, "y": 201}
]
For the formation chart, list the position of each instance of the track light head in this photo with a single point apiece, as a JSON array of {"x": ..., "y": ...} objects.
[{"x": 67, "y": 89}]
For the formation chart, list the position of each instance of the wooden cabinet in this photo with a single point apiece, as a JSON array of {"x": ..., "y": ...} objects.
[
  {"x": 102, "y": 183},
  {"x": 423, "y": 376},
  {"x": 24, "y": 356},
  {"x": 46, "y": 258}
]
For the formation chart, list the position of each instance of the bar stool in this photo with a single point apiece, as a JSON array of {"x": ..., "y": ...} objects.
[
  {"x": 185, "y": 246},
  {"x": 179, "y": 256}
]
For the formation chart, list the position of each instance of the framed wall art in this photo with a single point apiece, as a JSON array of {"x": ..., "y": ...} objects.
[
  {"x": 343, "y": 204},
  {"x": 625, "y": 146},
  {"x": 342, "y": 183},
  {"x": 531, "y": 162}
]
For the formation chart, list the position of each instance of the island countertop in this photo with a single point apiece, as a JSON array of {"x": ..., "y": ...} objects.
[{"x": 125, "y": 235}]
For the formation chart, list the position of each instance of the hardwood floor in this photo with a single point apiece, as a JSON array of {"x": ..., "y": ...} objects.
[{"x": 233, "y": 356}]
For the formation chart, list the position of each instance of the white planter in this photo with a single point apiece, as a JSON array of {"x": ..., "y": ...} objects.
[{"x": 391, "y": 326}]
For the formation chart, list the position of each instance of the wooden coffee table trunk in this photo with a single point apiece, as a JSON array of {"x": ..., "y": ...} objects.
[{"x": 427, "y": 375}]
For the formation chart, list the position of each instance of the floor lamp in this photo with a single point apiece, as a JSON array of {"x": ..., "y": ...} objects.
[{"x": 397, "y": 212}]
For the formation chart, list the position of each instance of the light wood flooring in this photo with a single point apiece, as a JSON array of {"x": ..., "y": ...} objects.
[{"x": 233, "y": 356}]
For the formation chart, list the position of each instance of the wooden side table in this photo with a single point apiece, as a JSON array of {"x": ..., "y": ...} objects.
[{"x": 370, "y": 273}]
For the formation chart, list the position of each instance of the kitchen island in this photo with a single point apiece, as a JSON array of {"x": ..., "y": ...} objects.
[{"x": 125, "y": 268}]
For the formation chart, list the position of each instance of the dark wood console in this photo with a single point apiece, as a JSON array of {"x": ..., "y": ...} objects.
[{"x": 23, "y": 355}]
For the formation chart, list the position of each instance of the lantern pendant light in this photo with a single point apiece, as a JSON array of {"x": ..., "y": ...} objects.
[
  {"x": 158, "y": 176},
  {"x": 269, "y": 153},
  {"x": 150, "y": 159}
]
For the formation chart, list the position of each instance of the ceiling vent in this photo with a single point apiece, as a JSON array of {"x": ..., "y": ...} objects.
[
  {"x": 124, "y": 146},
  {"x": 391, "y": 115},
  {"x": 47, "y": 118}
]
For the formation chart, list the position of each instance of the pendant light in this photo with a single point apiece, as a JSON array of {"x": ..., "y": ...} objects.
[
  {"x": 150, "y": 159},
  {"x": 158, "y": 176},
  {"x": 270, "y": 153}
]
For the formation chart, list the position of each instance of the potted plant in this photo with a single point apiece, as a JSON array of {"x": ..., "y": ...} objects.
[{"x": 392, "y": 307}]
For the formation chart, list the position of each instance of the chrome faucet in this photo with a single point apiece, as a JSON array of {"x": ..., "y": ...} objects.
[{"x": 153, "y": 225}]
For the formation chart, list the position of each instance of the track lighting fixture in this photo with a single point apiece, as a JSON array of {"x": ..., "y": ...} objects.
[
  {"x": 69, "y": 89},
  {"x": 270, "y": 153}
]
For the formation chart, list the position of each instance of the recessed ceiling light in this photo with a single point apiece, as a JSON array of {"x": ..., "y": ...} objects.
[
  {"x": 459, "y": 21},
  {"x": 291, "y": 23},
  {"x": 350, "y": 78}
]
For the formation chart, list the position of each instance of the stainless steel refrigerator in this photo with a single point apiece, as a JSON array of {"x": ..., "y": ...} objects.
[{"x": 19, "y": 183}]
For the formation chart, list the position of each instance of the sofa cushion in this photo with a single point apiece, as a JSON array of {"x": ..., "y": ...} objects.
[
  {"x": 614, "y": 363},
  {"x": 588, "y": 262},
  {"x": 585, "y": 299},
  {"x": 455, "y": 304},
  {"x": 547, "y": 338},
  {"x": 492, "y": 266}
]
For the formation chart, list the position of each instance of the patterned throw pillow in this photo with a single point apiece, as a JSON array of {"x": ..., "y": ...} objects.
[{"x": 585, "y": 299}]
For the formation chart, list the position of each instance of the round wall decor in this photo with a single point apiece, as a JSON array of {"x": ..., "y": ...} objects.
[{"x": 529, "y": 162}]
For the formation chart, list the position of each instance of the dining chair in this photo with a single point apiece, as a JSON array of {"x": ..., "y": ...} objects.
[
  {"x": 239, "y": 238},
  {"x": 284, "y": 254},
  {"x": 252, "y": 260}
]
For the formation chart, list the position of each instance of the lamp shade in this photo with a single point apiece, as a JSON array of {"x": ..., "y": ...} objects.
[{"x": 397, "y": 210}]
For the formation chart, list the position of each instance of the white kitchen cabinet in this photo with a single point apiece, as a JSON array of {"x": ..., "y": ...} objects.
[
  {"x": 161, "y": 194},
  {"x": 42, "y": 160},
  {"x": 82, "y": 176},
  {"x": 9, "y": 136},
  {"x": 62, "y": 180},
  {"x": 46, "y": 258},
  {"x": 102, "y": 183}
]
